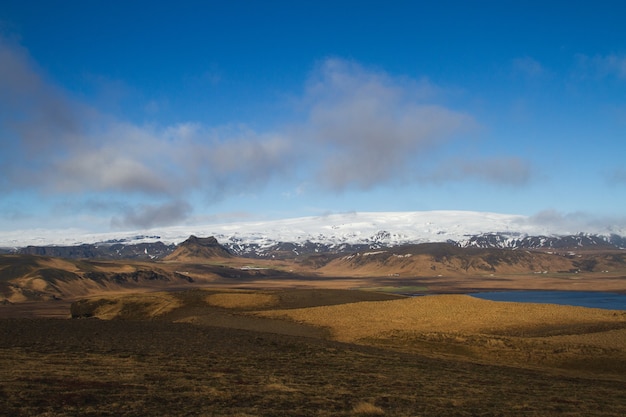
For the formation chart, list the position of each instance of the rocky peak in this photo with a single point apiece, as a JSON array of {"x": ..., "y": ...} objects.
[
  {"x": 196, "y": 248},
  {"x": 200, "y": 241}
]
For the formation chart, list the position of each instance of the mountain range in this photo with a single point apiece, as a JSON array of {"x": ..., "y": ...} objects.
[{"x": 335, "y": 233}]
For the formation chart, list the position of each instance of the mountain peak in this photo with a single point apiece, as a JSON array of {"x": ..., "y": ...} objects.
[
  {"x": 193, "y": 240},
  {"x": 198, "y": 248}
]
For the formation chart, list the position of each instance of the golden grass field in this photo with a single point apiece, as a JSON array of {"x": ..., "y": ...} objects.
[
  {"x": 534, "y": 335},
  {"x": 324, "y": 352},
  {"x": 565, "y": 338},
  {"x": 447, "y": 314}
]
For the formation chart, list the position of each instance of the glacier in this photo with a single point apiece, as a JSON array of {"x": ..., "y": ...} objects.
[{"x": 375, "y": 229}]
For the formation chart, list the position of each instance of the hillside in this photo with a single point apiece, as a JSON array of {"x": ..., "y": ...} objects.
[
  {"x": 422, "y": 268},
  {"x": 27, "y": 278},
  {"x": 196, "y": 249},
  {"x": 436, "y": 259},
  {"x": 108, "y": 250}
]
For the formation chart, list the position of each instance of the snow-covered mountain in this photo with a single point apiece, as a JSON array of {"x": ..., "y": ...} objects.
[{"x": 342, "y": 232}]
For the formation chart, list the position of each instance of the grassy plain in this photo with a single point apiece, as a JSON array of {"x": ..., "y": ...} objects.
[
  {"x": 313, "y": 352},
  {"x": 568, "y": 339}
]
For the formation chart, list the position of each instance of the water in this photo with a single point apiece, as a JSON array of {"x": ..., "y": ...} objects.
[{"x": 606, "y": 300}]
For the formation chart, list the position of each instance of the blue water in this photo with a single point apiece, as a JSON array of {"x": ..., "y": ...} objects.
[{"x": 607, "y": 300}]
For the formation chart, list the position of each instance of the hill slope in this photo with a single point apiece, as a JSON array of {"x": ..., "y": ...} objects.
[
  {"x": 26, "y": 278},
  {"x": 432, "y": 259},
  {"x": 198, "y": 249}
]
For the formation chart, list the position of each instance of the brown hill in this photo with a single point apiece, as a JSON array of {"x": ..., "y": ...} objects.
[
  {"x": 25, "y": 278},
  {"x": 434, "y": 259},
  {"x": 197, "y": 249},
  {"x": 198, "y": 261}
]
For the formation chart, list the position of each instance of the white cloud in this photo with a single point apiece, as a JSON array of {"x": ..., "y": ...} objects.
[
  {"x": 369, "y": 126},
  {"x": 107, "y": 169},
  {"x": 363, "y": 128},
  {"x": 572, "y": 223},
  {"x": 170, "y": 161}
]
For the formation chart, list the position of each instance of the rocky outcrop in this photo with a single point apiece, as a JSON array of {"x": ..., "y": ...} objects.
[{"x": 198, "y": 248}]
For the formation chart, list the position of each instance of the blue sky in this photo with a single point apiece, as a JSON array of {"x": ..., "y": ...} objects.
[{"x": 136, "y": 115}]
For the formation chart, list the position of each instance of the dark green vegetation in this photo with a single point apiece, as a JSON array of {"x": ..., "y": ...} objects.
[{"x": 225, "y": 362}]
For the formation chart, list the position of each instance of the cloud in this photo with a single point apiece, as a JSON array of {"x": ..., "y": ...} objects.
[
  {"x": 171, "y": 161},
  {"x": 361, "y": 128},
  {"x": 506, "y": 171},
  {"x": 247, "y": 161},
  {"x": 528, "y": 66},
  {"x": 107, "y": 170},
  {"x": 612, "y": 64},
  {"x": 31, "y": 109},
  {"x": 617, "y": 177},
  {"x": 118, "y": 157},
  {"x": 557, "y": 219},
  {"x": 601, "y": 66},
  {"x": 368, "y": 127},
  {"x": 364, "y": 128},
  {"x": 572, "y": 223},
  {"x": 54, "y": 145},
  {"x": 147, "y": 216}
]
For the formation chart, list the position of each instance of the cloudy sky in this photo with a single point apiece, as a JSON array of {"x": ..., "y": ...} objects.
[{"x": 136, "y": 115}]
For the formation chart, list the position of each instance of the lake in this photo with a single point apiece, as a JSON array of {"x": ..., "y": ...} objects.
[{"x": 606, "y": 300}]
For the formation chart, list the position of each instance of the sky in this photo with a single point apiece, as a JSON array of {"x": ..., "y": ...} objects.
[{"x": 145, "y": 114}]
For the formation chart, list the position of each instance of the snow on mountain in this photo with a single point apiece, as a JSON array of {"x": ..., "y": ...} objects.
[{"x": 333, "y": 230}]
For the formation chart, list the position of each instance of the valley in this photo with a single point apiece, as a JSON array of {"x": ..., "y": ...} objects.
[{"x": 429, "y": 268}]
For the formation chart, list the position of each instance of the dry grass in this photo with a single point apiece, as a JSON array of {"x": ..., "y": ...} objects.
[
  {"x": 135, "y": 368},
  {"x": 242, "y": 300},
  {"x": 409, "y": 358},
  {"x": 279, "y": 387},
  {"x": 524, "y": 334},
  {"x": 610, "y": 339},
  {"x": 142, "y": 306},
  {"x": 367, "y": 409},
  {"x": 443, "y": 313},
  {"x": 566, "y": 338}
]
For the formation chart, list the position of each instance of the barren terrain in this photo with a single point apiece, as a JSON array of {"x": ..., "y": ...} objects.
[
  {"x": 426, "y": 268},
  {"x": 228, "y": 336}
]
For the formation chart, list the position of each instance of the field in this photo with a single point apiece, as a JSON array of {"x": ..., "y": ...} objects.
[
  {"x": 212, "y": 335},
  {"x": 321, "y": 352}
]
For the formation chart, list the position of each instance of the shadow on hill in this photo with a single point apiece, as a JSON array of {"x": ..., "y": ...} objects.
[{"x": 222, "y": 308}]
